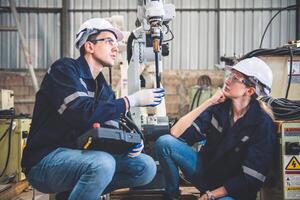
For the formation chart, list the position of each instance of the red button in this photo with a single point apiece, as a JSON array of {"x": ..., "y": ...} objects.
[{"x": 96, "y": 125}]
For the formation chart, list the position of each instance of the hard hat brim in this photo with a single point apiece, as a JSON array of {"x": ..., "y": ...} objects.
[{"x": 117, "y": 33}]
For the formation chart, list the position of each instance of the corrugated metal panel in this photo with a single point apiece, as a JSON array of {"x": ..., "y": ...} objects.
[
  {"x": 241, "y": 31},
  {"x": 41, "y": 30},
  {"x": 195, "y": 45}
]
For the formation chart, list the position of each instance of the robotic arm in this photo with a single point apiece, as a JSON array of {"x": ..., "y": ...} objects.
[
  {"x": 152, "y": 15},
  {"x": 146, "y": 46}
]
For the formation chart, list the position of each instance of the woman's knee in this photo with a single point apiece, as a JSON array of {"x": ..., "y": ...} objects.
[{"x": 163, "y": 142}]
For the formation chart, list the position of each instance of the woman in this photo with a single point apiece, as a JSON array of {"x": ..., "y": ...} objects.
[{"x": 239, "y": 133}]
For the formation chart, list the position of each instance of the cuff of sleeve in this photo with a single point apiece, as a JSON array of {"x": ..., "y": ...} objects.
[
  {"x": 121, "y": 105},
  {"x": 233, "y": 186}
]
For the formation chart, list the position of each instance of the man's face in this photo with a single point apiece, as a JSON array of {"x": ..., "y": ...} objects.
[{"x": 104, "y": 48}]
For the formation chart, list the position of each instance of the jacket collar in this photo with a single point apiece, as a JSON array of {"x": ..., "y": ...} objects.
[
  {"x": 221, "y": 112},
  {"x": 234, "y": 134},
  {"x": 84, "y": 69}
]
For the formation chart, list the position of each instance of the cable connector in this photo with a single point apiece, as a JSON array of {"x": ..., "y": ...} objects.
[{"x": 293, "y": 44}]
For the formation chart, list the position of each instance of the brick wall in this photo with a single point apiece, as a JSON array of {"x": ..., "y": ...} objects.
[
  {"x": 20, "y": 82},
  {"x": 176, "y": 83}
]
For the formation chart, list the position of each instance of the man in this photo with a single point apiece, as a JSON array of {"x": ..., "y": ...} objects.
[{"x": 73, "y": 96}]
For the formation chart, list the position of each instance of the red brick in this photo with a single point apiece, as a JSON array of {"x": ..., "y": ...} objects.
[
  {"x": 172, "y": 108},
  {"x": 170, "y": 90}
]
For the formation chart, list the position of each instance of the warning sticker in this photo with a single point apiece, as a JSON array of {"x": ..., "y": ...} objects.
[
  {"x": 293, "y": 164},
  {"x": 291, "y": 170},
  {"x": 292, "y": 131}
]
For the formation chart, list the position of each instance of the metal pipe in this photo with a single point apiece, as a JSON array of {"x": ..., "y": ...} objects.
[
  {"x": 298, "y": 20},
  {"x": 8, "y": 28},
  {"x": 65, "y": 30},
  {"x": 181, "y": 9},
  {"x": 24, "y": 101},
  {"x": 59, "y": 10},
  {"x": 31, "y": 9}
]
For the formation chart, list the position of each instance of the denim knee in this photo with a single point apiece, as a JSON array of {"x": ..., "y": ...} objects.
[
  {"x": 102, "y": 163},
  {"x": 149, "y": 170},
  {"x": 163, "y": 142}
]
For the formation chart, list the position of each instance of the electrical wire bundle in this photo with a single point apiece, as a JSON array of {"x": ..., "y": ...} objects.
[
  {"x": 281, "y": 51},
  {"x": 283, "y": 109},
  {"x": 277, "y": 52}
]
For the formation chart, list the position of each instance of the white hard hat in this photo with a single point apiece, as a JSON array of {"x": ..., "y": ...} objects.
[
  {"x": 92, "y": 26},
  {"x": 257, "y": 70}
]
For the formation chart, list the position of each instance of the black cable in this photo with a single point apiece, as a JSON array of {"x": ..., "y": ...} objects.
[
  {"x": 133, "y": 125},
  {"x": 290, "y": 75},
  {"x": 169, "y": 30},
  {"x": 9, "y": 145},
  {"x": 129, "y": 46},
  {"x": 279, "y": 11},
  {"x": 283, "y": 109},
  {"x": 157, "y": 75},
  {"x": 199, "y": 95},
  {"x": 194, "y": 98},
  {"x": 281, "y": 51},
  {"x": 4, "y": 134}
]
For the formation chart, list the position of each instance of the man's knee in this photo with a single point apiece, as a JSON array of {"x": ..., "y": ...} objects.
[
  {"x": 102, "y": 163},
  {"x": 148, "y": 170}
]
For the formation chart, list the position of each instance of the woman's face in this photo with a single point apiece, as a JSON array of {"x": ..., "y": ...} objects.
[{"x": 235, "y": 87}]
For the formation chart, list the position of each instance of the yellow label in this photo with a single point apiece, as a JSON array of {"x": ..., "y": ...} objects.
[{"x": 293, "y": 188}]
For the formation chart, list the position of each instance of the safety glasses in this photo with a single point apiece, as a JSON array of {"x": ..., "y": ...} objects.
[
  {"x": 233, "y": 77},
  {"x": 106, "y": 40}
]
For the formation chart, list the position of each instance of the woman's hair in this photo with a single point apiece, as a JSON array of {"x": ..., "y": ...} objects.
[{"x": 264, "y": 106}]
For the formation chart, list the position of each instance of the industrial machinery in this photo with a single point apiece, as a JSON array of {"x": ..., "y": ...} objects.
[
  {"x": 146, "y": 46},
  {"x": 280, "y": 66},
  {"x": 290, "y": 149},
  {"x": 6, "y": 99},
  {"x": 13, "y": 134}
]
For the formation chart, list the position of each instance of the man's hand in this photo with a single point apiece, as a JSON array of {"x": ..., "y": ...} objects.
[
  {"x": 146, "y": 97},
  {"x": 136, "y": 150},
  {"x": 218, "y": 97}
]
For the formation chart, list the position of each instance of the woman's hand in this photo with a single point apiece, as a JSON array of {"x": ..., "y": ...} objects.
[
  {"x": 203, "y": 197},
  {"x": 218, "y": 97}
]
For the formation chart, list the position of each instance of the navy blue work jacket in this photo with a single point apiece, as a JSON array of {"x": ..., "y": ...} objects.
[
  {"x": 67, "y": 104},
  {"x": 237, "y": 157}
]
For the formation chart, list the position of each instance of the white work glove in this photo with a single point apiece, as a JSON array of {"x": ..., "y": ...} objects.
[
  {"x": 146, "y": 97},
  {"x": 136, "y": 150}
]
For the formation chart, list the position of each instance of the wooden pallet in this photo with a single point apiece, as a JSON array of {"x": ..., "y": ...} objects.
[
  {"x": 10, "y": 191},
  {"x": 187, "y": 193}
]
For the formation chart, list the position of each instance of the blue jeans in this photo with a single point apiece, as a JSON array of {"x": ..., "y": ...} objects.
[
  {"x": 88, "y": 174},
  {"x": 173, "y": 153}
]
